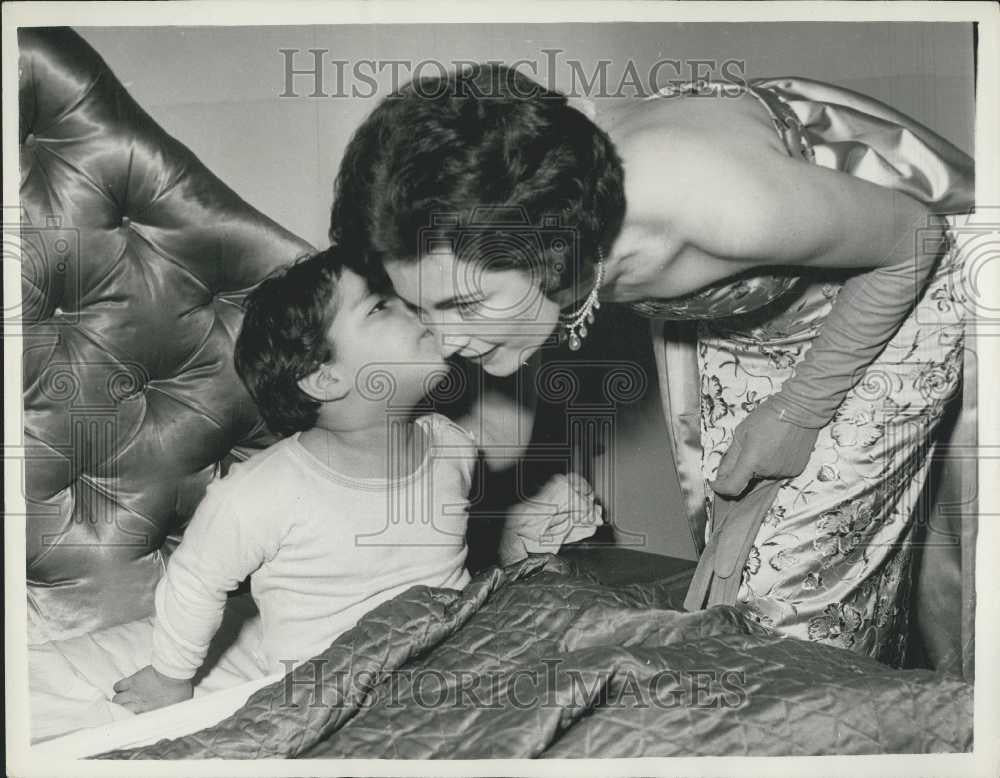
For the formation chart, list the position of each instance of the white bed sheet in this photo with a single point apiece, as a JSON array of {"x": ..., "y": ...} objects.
[{"x": 71, "y": 685}]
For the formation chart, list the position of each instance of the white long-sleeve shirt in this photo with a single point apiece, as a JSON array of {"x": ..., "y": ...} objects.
[{"x": 322, "y": 549}]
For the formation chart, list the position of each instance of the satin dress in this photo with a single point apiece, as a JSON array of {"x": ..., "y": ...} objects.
[{"x": 830, "y": 560}]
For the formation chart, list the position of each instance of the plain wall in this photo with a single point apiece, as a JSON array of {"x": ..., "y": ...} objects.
[{"x": 218, "y": 91}]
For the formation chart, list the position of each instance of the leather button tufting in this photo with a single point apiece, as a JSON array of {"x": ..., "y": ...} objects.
[
  {"x": 156, "y": 404},
  {"x": 30, "y": 140}
]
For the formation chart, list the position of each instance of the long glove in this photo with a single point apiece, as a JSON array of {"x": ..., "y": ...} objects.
[{"x": 777, "y": 438}]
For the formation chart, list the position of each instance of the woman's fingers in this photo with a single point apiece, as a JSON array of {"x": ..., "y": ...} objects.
[
  {"x": 735, "y": 484},
  {"x": 512, "y": 549},
  {"x": 764, "y": 446},
  {"x": 735, "y": 470},
  {"x": 729, "y": 459},
  {"x": 590, "y": 513},
  {"x": 580, "y": 484},
  {"x": 125, "y": 699}
]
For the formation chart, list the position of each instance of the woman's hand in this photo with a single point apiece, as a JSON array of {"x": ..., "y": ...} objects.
[
  {"x": 564, "y": 511},
  {"x": 764, "y": 446},
  {"x": 148, "y": 690}
]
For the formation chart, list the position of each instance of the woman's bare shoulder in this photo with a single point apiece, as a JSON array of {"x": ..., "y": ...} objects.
[
  {"x": 682, "y": 155},
  {"x": 714, "y": 175},
  {"x": 734, "y": 121}
]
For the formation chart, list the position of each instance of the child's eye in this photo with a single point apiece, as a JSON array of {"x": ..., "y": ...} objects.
[
  {"x": 468, "y": 307},
  {"x": 381, "y": 305}
]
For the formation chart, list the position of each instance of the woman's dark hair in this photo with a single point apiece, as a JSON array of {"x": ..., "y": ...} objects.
[
  {"x": 284, "y": 338},
  {"x": 480, "y": 154}
]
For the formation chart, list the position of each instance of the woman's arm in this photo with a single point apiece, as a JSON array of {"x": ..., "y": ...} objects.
[
  {"x": 774, "y": 210},
  {"x": 748, "y": 205}
]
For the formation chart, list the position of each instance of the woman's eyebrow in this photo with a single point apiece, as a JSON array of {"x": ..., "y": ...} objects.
[{"x": 452, "y": 302}]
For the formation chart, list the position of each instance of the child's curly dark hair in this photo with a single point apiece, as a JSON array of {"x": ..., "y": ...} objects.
[{"x": 284, "y": 338}]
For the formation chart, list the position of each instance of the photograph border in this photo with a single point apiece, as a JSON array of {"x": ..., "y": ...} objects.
[{"x": 986, "y": 757}]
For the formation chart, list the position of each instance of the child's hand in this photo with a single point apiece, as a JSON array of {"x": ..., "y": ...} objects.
[
  {"x": 564, "y": 511},
  {"x": 148, "y": 690}
]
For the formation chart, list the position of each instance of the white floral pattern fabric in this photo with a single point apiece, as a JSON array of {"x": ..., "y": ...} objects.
[{"x": 831, "y": 560}]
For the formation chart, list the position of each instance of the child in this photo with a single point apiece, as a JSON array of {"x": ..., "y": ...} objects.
[{"x": 362, "y": 499}]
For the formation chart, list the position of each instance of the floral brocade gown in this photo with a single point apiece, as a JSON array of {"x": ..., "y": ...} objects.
[{"x": 831, "y": 561}]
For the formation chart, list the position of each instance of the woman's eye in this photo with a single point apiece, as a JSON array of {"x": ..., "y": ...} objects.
[
  {"x": 381, "y": 305},
  {"x": 468, "y": 307}
]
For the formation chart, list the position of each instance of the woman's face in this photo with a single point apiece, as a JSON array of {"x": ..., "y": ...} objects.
[{"x": 497, "y": 318}]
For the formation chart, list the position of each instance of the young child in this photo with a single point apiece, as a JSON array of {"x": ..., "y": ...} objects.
[{"x": 362, "y": 499}]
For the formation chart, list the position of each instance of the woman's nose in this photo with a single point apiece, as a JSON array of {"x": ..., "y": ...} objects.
[
  {"x": 450, "y": 342},
  {"x": 450, "y": 333}
]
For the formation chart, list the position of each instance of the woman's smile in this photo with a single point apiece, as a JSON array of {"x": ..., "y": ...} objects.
[{"x": 484, "y": 356}]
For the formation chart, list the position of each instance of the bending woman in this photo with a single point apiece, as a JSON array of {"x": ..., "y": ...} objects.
[{"x": 799, "y": 222}]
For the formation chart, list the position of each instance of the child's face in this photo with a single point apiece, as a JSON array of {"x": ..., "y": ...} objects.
[{"x": 380, "y": 345}]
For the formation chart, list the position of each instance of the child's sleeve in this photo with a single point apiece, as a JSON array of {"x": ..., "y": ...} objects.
[
  {"x": 460, "y": 446},
  {"x": 220, "y": 548}
]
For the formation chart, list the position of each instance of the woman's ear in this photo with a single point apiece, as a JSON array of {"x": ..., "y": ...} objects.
[{"x": 325, "y": 384}]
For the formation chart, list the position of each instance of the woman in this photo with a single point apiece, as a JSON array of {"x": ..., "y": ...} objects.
[{"x": 754, "y": 208}]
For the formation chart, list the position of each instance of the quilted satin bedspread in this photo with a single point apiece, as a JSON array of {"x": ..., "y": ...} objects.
[{"x": 536, "y": 660}]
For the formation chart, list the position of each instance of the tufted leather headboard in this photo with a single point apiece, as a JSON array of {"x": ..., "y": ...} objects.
[{"x": 135, "y": 261}]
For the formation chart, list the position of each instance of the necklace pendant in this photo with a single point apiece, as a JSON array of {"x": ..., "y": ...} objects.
[{"x": 574, "y": 325}]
